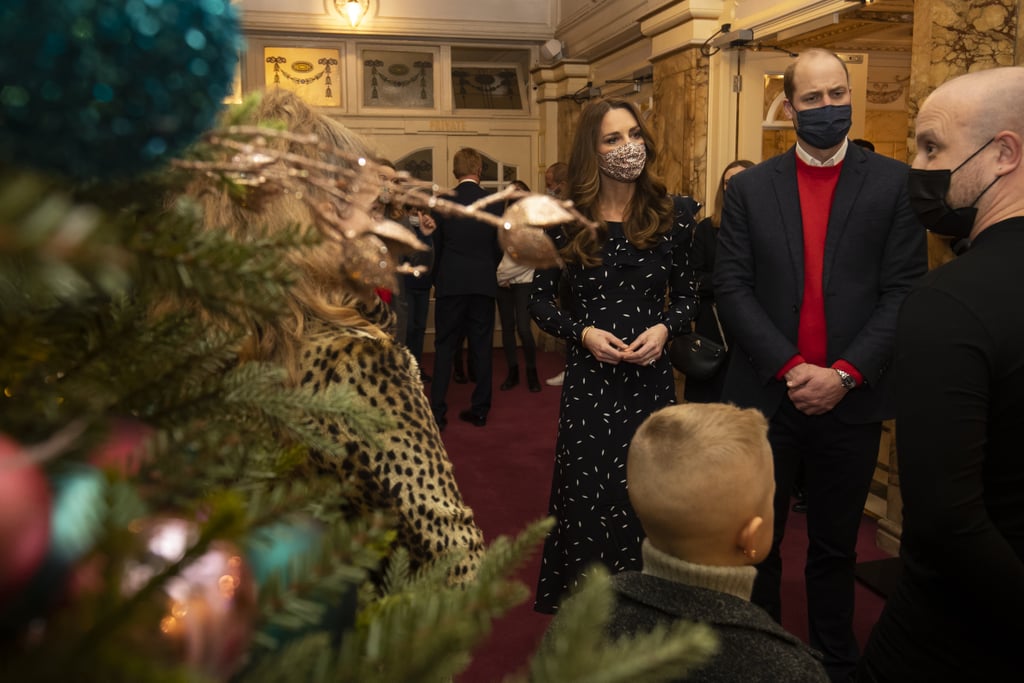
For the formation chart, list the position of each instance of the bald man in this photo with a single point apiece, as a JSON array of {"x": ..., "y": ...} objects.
[
  {"x": 817, "y": 249},
  {"x": 958, "y": 612}
]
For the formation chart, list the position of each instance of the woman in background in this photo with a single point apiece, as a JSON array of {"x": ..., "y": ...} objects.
[
  {"x": 702, "y": 259},
  {"x": 617, "y": 374},
  {"x": 514, "y": 284}
]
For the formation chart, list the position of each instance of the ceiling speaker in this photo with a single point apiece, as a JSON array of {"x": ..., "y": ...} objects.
[{"x": 552, "y": 49}]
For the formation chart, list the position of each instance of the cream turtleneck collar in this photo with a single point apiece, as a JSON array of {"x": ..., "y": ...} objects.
[{"x": 738, "y": 581}]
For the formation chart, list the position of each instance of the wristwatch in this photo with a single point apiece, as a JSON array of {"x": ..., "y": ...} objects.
[{"x": 846, "y": 379}]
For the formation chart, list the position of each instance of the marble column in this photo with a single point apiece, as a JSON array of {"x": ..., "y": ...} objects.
[
  {"x": 679, "y": 121},
  {"x": 568, "y": 116}
]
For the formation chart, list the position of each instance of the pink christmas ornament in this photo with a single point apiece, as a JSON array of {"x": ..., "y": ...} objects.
[{"x": 25, "y": 501}]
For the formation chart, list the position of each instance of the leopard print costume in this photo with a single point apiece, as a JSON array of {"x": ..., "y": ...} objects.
[{"x": 411, "y": 476}]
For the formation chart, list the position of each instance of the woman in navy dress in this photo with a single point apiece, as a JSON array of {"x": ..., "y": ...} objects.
[{"x": 633, "y": 290}]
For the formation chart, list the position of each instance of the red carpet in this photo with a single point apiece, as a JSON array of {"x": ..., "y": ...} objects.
[{"x": 504, "y": 472}]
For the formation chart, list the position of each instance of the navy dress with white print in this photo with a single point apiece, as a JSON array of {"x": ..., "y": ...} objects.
[{"x": 602, "y": 405}]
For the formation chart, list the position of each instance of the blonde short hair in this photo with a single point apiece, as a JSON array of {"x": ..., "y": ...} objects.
[{"x": 695, "y": 467}]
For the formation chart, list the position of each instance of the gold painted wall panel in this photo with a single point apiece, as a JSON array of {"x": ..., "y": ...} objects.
[{"x": 311, "y": 73}]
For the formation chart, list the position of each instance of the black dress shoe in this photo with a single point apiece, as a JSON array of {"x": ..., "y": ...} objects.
[
  {"x": 459, "y": 376},
  {"x": 472, "y": 418},
  {"x": 532, "y": 381},
  {"x": 512, "y": 379}
]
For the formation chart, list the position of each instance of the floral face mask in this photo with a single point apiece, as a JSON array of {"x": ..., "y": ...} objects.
[{"x": 625, "y": 162}]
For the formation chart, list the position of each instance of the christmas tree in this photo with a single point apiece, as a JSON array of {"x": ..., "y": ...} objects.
[{"x": 158, "y": 520}]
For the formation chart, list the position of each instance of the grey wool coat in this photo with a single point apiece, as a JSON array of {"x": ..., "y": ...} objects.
[{"x": 752, "y": 647}]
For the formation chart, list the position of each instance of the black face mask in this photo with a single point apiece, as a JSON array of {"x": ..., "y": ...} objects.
[
  {"x": 928, "y": 190},
  {"x": 824, "y": 127}
]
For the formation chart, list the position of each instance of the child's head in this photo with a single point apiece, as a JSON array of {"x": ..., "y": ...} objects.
[{"x": 701, "y": 480}]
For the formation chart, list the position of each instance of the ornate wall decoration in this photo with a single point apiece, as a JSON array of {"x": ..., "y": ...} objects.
[
  {"x": 398, "y": 79},
  {"x": 892, "y": 91},
  {"x": 312, "y": 73},
  {"x": 487, "y": 87}
]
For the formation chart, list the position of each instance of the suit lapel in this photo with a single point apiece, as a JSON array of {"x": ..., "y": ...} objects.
[
  {"x": 851, "y": 178},
  {"x": 787, "y": 194}
]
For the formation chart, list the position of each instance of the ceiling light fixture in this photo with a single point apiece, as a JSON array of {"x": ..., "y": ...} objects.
[{"x": 354, "y": 10}]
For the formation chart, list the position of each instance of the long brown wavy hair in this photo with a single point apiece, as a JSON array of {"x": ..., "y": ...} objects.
[
  {"x": 648, "y": 213},
  {"x": 321, "y": 294}
]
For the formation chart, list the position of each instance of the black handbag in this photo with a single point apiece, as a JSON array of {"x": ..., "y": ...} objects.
[{"x": 696, "y": 356}]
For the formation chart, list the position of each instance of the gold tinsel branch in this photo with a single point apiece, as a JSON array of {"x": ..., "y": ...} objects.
[{"x": 252, "y": 158}]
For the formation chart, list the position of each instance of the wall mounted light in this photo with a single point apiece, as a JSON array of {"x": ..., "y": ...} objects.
[{"x": 354, "y": 10}]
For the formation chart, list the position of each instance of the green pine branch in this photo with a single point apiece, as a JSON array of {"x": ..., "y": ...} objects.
[
  {"x": 115, "y": 304},
  {"x": 575, "y": 648}
]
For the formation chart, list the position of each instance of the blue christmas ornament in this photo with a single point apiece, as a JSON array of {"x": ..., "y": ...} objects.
[{"x": 108, "y": 88}]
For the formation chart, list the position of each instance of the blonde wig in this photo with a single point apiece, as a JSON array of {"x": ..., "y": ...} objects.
[{"x": 322, "y": 296}]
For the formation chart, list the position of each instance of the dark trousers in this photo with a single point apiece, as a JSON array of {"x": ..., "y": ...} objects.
[
  {"x": 838, "y": 461},
  {"x": 400, "y": 305},
  {"x": 471, "y": 315},
  {"x": 460, "y": 357},
  {"x": 417, "y": 302},
  {"x": 513, "y": 302}
]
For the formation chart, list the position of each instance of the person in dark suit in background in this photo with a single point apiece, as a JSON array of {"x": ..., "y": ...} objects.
[
  {"x": 466, "y": 258},
  {"x": 817, "y": 249},
  {"x": 702, "y": 258},
  {"x": 956, "y": 612}
]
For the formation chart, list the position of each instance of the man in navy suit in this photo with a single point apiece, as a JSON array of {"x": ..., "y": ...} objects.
[
  {"x": 817, "y": 249},
  {"x": 466, "y": 257}
]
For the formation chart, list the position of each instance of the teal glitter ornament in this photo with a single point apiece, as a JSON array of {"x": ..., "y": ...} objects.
[
  {"x": 271, "y": 552},
  {"x": 109, "y": 88},
  {"x": 272, "y": 549}
]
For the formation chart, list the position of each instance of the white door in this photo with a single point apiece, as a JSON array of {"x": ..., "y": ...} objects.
[
  {"x": 429, "y": 157},
  {"x": 761, "y": 96}
]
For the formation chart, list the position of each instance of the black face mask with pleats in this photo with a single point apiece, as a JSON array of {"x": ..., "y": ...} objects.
[
  {"x": 824, "y": 127},
  {"x": 928, "y": 190}
]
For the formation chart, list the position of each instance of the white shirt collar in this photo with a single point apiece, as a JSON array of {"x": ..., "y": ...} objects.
[{"x": 831, "y": 161}]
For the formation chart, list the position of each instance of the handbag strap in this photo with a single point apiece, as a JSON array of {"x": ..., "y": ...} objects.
[{"x": 721, "y": 332}]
